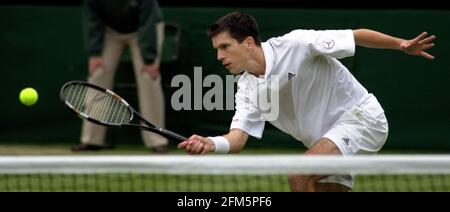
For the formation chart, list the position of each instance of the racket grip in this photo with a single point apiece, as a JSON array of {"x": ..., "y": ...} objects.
[{"x": 173, "y": 135}]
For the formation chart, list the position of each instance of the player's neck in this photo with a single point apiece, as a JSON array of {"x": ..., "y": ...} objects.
[{"x": 257, "y": 63}]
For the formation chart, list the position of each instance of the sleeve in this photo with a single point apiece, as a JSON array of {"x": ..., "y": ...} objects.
[
  {"x": 247, "y": 117},
  {"x": 150, "y": 15},
  {"x": 93, "y": 28},
  {"x": 335, "y": 43}
]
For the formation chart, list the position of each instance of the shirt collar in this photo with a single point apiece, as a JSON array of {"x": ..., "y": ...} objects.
[{"x": 268, "y": 57}]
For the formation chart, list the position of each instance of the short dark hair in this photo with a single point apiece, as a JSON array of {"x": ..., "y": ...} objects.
[{"x": 239, "y": 25}]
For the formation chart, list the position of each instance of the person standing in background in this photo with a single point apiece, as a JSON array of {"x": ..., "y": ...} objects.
[{"x": 111, "y": 26}]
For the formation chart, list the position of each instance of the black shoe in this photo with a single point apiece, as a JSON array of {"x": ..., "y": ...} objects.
[
  {"x": 163, "y": 149},
  {"x": 89, "y": 147}
]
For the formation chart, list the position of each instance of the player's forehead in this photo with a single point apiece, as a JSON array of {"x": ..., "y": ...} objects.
[{"x": 222, "y": 38}]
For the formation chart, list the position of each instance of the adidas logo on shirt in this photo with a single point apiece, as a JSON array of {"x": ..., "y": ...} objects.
[
  {"x": 346, "y": 140},
  {"x": 290, "y": 75}
]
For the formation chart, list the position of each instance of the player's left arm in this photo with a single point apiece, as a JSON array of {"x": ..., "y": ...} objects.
[{"x": 416, "y": 46}]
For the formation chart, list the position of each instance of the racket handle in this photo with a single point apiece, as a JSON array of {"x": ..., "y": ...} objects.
[{"x": 173, "y": 135}]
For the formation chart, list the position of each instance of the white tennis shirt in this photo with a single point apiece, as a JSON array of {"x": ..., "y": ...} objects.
[{"x": 314, "y": 88}]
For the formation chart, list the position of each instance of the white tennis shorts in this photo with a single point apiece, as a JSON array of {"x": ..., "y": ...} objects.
[{"x": 361, "y": 130}]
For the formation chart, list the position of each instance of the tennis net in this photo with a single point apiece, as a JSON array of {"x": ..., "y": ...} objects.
[{"x": 222, "y": 173}]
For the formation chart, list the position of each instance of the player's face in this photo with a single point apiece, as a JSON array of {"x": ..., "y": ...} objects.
[{"x": 232, "y": 54}]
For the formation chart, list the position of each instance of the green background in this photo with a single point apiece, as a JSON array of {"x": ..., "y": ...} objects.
[{"x": 42, "y": 47}]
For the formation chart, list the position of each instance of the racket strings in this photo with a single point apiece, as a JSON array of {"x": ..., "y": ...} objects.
[{"x": 97, "y": 104}]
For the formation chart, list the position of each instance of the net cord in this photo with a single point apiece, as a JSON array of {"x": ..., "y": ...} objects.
[{"x": 228, "y": 164}]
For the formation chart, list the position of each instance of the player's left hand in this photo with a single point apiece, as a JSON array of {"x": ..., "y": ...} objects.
[
  {"x": 197, "y": 145},
  {"x": 151, "y": 69},
  {"x": 418, "y": 45}
]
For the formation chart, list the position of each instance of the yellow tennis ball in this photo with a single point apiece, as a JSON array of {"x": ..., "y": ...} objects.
[{"x": 28, "y": 96}]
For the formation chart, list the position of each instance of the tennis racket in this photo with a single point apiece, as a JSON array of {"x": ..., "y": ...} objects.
[{"x": 104, "y": 107}]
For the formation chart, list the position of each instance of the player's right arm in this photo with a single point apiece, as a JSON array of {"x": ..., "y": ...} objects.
[
  {"x": 196, "y": 144},
  {"x": 237, "y": 138}
]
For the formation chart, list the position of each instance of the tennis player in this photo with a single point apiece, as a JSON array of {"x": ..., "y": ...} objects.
[{"x": 321, "y": 102}]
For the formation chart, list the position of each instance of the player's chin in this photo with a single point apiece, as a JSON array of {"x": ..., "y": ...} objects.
[{"x": 235, "y": 71}]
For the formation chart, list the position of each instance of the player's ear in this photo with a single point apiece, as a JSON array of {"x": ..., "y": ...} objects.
[{"x": 249, "y": 41}]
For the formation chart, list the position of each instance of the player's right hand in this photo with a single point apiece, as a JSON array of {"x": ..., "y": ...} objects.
[{"x": 197, "y": 145}]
